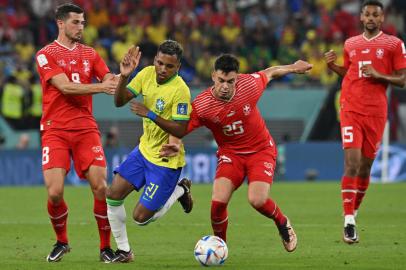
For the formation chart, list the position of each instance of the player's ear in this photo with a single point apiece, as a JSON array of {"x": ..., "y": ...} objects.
[{"x": 213, "y": 75}]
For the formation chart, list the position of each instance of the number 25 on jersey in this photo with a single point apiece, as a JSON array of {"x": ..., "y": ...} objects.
[{"x": 234, "y": 128}]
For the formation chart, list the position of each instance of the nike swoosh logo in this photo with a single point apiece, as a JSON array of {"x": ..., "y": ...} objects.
[{"x": 56, "y": 256}]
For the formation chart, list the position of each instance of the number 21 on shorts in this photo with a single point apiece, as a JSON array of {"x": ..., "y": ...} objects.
[{"x": 347, "y": 134}]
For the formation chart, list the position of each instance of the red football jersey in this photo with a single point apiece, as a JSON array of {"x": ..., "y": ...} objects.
[
  {"x": 80, "y": 64},
  {"x": 237, "y": 124},
  {"x": 363, "y": 94}
]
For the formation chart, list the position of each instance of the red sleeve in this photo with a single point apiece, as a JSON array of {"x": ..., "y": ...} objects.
[
  {"x": 399, "y": 56},
  {"x": 346, "y": 59},
  {"x": 46, "y": 66},
  {"x": 100, "y": 67},
  {"x": 261, "y": 81},
  {"x": 194, "y": 121}
]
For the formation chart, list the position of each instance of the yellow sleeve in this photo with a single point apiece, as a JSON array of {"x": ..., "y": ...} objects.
[
  {"x": 181, "y": 108},
  {"x": 135, "y": 85}
]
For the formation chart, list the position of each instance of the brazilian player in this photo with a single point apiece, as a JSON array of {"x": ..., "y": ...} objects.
[{"x": 167, "y": 95}]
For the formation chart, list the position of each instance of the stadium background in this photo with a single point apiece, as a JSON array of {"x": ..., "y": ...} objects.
[{"x": 300, "y": 111}]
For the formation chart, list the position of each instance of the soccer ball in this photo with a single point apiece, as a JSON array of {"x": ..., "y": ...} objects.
[{"x": 211, "y": 250}]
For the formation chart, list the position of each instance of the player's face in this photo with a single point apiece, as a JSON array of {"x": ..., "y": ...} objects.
[
  {"x": 166, "y": 66},
  {"x": 372, "y": 17},
  {"x": 224, "y": 84},
  {"x": 73, "y": 26}
]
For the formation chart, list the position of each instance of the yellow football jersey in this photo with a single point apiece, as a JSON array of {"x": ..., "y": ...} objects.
[{"x": 170, "y": 100}]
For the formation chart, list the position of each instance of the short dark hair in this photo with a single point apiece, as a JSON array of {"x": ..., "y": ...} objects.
[
  {"x": 62, "y": 11},
  {"x": 171, "y": 47},
  {"x": 371, "y": 3},
  {"x": 227, "y": 63}
]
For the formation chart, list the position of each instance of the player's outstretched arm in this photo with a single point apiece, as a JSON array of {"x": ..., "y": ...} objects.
[
  {"x": 330, "y": 57},
  {"x": 398, "y": 78},
  {"x": 67, "y": 87},
  {"x": 298, "y": 67},
  {"x": 175, "y": 128},
  {"x": 127, "y": 66}
]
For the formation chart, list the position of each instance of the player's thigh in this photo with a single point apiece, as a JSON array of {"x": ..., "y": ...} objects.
[
  {"x": 160, "y": 182},
  {"x": 260, "y": 166},
  {"x": 54, "y": 179},
  {"x": 87, "y": 150},
  {"x": 223, "y": 189},
  {"x": 97, "y": 177},
  {"x": 119, "y": 188},
  {"x": 132, "y": 170},
  {"x": 373, "y": 128},
  {"x": 55, "y": 150},
  {"x": 351, "y": 124},
  {"x": 230, "y": 166}
]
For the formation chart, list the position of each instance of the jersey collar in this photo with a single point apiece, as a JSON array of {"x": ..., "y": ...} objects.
[
  {"x": 60, "y": 44},
  {"x": 372, "y": 38}
]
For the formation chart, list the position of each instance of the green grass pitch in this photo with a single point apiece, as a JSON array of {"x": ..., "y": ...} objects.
[{"x": 26, "y": 236}]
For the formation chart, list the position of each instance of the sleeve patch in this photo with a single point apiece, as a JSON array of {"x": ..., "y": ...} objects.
[
  {"x": 255, "y": 75},
  {"x": 182, "y": 109},
  {"x": 42, "y": 60}
]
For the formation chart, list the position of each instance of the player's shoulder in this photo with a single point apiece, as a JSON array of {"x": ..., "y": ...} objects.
[
  {"x": 148, "y": 71},
  {"x": 202, "y": 98},
  {"x": 86, "y": 50},
  {"x": 247, "y": 79},
  {"x": 353, "y": 40},
  {"x": 49, "y": 49},
  {"x": 181, "y": 84},
  {"x": 390, "y": 39}
]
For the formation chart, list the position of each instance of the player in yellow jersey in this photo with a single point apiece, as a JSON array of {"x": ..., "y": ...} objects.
[{"x": 148, "y": 165}]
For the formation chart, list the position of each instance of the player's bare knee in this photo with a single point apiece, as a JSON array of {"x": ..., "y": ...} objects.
[
  {"x": 352, "y": 168},
  {"x": 256, "y": 201},
  {"x": 55, "y": 197},
  {"x": 99, "y": 191},
  {"x": 141, "y": 219}
]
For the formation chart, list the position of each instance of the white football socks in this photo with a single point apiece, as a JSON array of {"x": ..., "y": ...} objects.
[
  {"x": 176, "y": 194},
  {"x": 349, "y": 219},
  {"x": 117, "y": 218}
]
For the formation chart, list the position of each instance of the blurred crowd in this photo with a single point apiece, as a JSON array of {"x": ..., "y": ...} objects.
[{"x": 260, "y": 33}]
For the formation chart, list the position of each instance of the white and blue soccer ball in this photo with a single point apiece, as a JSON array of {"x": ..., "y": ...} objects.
[{"x": 211, "y": 251}]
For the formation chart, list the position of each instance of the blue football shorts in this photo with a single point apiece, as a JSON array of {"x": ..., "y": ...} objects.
[{"x": 159, "y": 182}]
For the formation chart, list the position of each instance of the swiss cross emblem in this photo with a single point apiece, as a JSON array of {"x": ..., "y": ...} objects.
[
  {"x": 379, "y": 53},
  {"x": 86, "y": 66},
  {"x": 246, "y": 109}
]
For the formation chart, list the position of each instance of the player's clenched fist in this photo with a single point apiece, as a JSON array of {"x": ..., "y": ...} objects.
[
  {"x": 330, "y": 56},
  {"x": 110, "y": 86},
  {"x": 301, "y": 66}
]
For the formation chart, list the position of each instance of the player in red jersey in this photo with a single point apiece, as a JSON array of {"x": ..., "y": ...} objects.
[
  {"x": 246, "y": 149},
  {"x": 68, "y": 128},
  {"x": 372, "y": 60}
]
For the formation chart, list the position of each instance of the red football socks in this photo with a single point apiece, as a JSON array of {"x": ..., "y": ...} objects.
[
  {"x": 58, "y": 213},
  {"x": 271, "y": 210},
  {"x": 100, "y": 213},
  {"x": 362, "y": 186},
  {"x": 348, "y": 192},
  {"x": 219, "y": 219}
]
